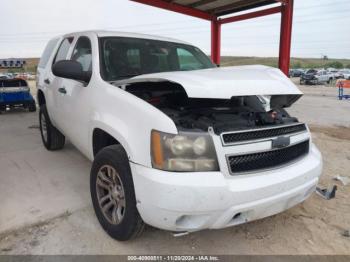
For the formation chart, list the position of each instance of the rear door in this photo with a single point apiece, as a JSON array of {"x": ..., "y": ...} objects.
[{"x": 44, "y": 68}]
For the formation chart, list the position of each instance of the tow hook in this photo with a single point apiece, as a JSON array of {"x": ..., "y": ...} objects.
[{"x": 325, "y": 193}]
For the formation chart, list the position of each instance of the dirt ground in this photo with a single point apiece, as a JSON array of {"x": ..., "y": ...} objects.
[{"x": 316, "y": 226}]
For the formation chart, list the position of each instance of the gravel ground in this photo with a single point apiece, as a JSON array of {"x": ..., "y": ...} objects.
[{"x": 316, "y": 226}]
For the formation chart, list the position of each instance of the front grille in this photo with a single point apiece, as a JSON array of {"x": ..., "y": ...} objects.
[
  {"x": 241, "y": 136},
  {"x": 267, "y": 159}
]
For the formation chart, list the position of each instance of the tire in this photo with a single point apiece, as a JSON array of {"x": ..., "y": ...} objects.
[
  {"x": 32, "y": 107},
  {"x": 51, "y": 137},
  {"x": 113, "y": 160}
]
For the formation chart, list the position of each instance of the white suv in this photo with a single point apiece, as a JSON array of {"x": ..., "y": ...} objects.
[{"x": 176, "y": 142}]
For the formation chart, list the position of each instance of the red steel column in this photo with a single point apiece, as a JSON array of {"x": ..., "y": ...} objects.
[
  {"x": 286, "y": 35},
  {"x": 215, "y": 41}
]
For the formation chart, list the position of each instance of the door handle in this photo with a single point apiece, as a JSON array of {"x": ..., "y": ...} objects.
[
  {"x": 62, "y": 90},
  {"x": 47, "y": 81}
]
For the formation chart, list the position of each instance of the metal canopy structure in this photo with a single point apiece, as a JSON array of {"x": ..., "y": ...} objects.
[{"x": 213, "y": 10}]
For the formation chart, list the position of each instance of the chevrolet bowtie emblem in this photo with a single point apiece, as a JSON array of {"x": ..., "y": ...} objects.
[{"x": 281, "y": 142}]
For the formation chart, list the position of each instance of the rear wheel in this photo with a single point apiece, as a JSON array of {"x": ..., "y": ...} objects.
[
  {"x": 113, "y": 194},
  {"x": 51, "y": 137}
]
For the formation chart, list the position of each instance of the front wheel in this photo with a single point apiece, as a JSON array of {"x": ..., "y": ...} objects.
[
  {"x": 51, "y": 137},
  {"x": 113, "y": 194}
]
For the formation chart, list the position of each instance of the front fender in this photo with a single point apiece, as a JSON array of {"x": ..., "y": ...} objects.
[
  {"x": 129, "y": 120},
  {"x": 118, "y": 133}
]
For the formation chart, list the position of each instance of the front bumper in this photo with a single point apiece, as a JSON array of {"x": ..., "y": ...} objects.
[{"x": 208, "y": 200}]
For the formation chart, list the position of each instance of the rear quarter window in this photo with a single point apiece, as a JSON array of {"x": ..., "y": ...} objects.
[{"x": 47, "y": 53}]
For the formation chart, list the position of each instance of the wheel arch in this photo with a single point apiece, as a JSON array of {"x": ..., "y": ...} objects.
[
  {"x": 103, "y": 136},
  {"x": 102, "y": 139}
]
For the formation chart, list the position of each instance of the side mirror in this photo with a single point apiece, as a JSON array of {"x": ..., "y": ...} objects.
[{"x": 71, "y": 69}]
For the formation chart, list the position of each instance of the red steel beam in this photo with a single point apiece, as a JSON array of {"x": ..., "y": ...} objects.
[
  {"x": 177, "y": 8},
  {"x": 260, "y": 13},
  {"x": 215, "y": 41},
  {"x": 285, "y": 36}
]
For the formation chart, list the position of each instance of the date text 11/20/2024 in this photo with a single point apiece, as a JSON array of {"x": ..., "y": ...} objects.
[{"x": 173, "y": 258}]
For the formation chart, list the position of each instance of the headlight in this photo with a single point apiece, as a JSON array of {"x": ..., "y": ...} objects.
[{"x": 185, "y": 152}]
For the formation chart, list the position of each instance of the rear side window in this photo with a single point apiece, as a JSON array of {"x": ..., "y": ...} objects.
[
  {"x": 63, "y": 50},
  {"x": 47, "y": 53}
]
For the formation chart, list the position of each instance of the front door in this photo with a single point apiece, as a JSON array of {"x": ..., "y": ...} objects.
[{"x": 75, "y": 107}]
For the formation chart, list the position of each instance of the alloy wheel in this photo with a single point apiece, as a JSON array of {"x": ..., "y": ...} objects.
[{"x": 110, "y": 194}]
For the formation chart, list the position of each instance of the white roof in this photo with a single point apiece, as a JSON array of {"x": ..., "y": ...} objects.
[{"x": 103, "y": 33}]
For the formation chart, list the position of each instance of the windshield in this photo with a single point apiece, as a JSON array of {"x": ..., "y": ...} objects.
[{"x": 123, "y": 57}]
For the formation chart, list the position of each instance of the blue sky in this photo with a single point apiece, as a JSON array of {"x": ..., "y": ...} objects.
[{"x": 321, "y": 27}]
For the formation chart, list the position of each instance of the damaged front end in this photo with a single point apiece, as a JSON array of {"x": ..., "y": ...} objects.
[
  {"x": 242, "y": 122},
  {"x": 222, "y": 115}
]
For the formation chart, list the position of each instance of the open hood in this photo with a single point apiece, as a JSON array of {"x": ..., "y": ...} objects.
[{"x": 226, "y": 82}]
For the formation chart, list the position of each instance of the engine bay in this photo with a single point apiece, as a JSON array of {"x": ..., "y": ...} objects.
[{"x": 191, "y": 114}]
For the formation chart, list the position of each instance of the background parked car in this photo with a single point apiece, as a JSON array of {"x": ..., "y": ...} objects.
[
  {"x": 309, "y": 77},
  {"x": 295, "y": 73},
  {"x": 333, "y": 72},
  {"x": 10, "y": 75},
  {"x": 314, "y": 77},
  {"x": 346, "y": 74},
  {"x": 324, "y": 76},
  {"x": 342, "y": 73},
  {"x": 15, "y": 93},
  {"x": 2, "y": 76},
  {"x": 338, "y": 75}
]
